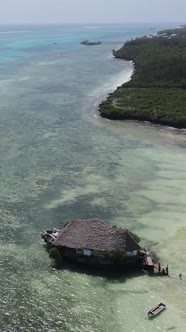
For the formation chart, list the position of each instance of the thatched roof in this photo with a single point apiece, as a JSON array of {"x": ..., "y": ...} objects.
[{"x": 96, "y": 235}]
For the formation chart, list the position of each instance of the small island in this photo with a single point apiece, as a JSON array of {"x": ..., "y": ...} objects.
[{"x": 157, "y": 89}]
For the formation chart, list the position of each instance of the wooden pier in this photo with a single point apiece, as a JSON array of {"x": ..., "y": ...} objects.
[{"x": 148, "y": 264}]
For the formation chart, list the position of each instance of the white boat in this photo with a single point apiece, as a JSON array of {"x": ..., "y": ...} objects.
[{"x": 90, "y": 43}]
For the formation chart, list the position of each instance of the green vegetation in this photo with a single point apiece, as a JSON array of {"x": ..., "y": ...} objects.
[
  {"x": 135, "y": 237},
  {"x": 117, "y": 256},
  {"x": 55, "y": 254},
  {"x": 157, "y": 90}
]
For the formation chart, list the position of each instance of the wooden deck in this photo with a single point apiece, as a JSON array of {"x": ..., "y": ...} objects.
[
  {"x": 149, "y": 260},
  {"x": 149, "y": 265}
]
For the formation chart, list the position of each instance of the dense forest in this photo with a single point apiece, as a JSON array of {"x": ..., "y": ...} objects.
[{"x": 157, "y": 89}]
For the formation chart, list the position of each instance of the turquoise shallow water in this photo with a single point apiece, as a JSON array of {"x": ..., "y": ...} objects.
[{"x": 59, "y": 161}]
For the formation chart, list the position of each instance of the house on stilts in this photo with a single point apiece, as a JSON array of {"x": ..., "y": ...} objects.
[{"x": 94, "y": 242}]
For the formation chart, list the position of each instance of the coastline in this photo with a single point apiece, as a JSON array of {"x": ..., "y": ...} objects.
[
  {"x": 117, "y": 82},
  {"x": 159, "y": 101},
  {"x": 120, "y": 81},
  {"x": 122, "y": 78}
]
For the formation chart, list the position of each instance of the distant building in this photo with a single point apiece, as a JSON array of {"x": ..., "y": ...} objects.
[{"x": 94, "y": 242}]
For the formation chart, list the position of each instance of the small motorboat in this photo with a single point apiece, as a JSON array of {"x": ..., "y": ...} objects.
[
  {"x": 50, "y": 235},
  {"x": 156, "y": 310},
  {"x": 90, "y": 43}
]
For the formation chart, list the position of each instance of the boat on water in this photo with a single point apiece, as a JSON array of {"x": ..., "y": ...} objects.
[
  {"x": 90, "y": 43},
  {"x": 49, "y": 235},
  {"x": 156, "y": 310}
]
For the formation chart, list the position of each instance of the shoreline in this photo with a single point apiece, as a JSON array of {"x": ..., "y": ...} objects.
[
  {"x": 121, "y": 79},
  {"x": 116, "y": 84},
  {"x": 157, "y": 101},
  {"x": 128, "y": 76}
]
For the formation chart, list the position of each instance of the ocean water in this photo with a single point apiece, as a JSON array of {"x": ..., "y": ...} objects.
[{"x": 60, "y": 161}]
